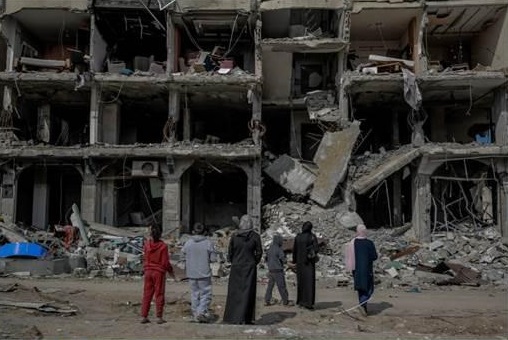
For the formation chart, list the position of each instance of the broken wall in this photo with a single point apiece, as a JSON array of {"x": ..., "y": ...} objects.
[
  {"x": 98, "y": 48},
  {"x": 490, "y": 47},
  {"x": 14, "y": 6}
]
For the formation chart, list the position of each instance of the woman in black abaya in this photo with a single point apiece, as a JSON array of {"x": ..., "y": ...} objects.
[
  {"x": 305, "y": 256},
  {"x": 244, "y": 253}
]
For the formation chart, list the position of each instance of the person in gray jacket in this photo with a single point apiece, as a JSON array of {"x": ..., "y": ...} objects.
[
  {"x": 198, "y": 252},
  {"x": 275, "y": 260}
]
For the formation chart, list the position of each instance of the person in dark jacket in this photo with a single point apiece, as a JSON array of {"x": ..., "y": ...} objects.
[
  {"x": 199, "y": 252},
  {"x": 275, "y": 261},
  {"x": 305, "y": 256},
  {"x": 360, "y": 254},
  {"x": 155, "y": 265},
  {"x": 244, "y": 253}
]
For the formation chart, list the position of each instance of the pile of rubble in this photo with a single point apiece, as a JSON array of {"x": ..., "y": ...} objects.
[
  {"x": 100, "y": 250},
  {"x": 468, "y": 256}
]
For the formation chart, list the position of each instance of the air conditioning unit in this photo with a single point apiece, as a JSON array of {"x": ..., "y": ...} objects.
[{"x": 145, "y": 169}]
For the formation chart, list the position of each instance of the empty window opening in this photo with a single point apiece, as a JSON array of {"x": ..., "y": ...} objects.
[
  {"x": 454, "y": 41},
  {"x": 217, "y": 192},
  {"x": 464, "y": 193},
  {"x": 209, "y": 43},
  {"x": 62, "y": 37},
  {"x": 213, "y": 120},
  {"x": 132, "y": 39},
  {"x": 313, "y": 72},
  {"x": 378, "y": 209},
  {"x": 53, "y": 124},
  {"x": 49, "y": 193},
  {"x": 139, "y": 199},
  {"x": 293, "y": 23}
]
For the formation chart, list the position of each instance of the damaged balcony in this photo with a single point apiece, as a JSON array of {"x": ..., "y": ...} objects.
[
  {"x": 268, "y": 5},
  {"x": 213, "y": 50},
  {"x": 384, "y": 37},
  {"x": 462, "y": 36},
  {"x": 303, "y": 30},
  {"x": 199, "y": 5},
  {"x": 52, "y": 51}
]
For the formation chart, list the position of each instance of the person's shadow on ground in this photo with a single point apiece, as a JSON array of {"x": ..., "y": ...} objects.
[
  {"x": 273, "y": 318},
  {"x": 376, "y": 308},
  {"x": 327, "y": 305}
]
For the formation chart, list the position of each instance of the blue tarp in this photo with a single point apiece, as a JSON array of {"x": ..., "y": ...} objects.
[{"x": 27, "y": 250}]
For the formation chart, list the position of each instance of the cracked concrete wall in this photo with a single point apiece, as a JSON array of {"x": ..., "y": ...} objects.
[{"x": 490, "y": 47}]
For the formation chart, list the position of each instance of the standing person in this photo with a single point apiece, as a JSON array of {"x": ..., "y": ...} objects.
[
  {"x": 275, "y": 261},
  {"x": 305, "y": 256},
  {"x": 198, "y": 252},
  {"x": 155, "y": 265},
  {"x": 360, "y": 253},
  {"x": 244, "y": 253}
]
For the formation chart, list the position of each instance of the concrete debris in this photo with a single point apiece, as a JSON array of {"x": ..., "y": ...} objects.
[
  {"x": 472, "y": 255},
  {"x": 321, "y": 105},
  {"x": 332, "y": 159},
  {"x": 291, "y": 174},
  {"x": 369, "y": 169},
  {"x": 41, "y": 307}
]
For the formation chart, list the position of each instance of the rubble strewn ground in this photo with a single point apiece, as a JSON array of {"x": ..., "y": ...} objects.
[{"x": 451, "y": 312}]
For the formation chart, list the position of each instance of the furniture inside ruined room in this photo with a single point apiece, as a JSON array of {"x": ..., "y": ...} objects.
[{"x": 24, "y": 64}]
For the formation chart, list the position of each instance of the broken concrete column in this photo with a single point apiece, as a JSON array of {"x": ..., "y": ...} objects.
[
  {"x": 174, "y": 112},
  {"x": 421, "y": 207},
  {"x": 171, "y": 205},
  {"x": 88, "y": 196},
  {"x": 110, "y": 122},
  {"x": 40, "y": 203},
  {"x": 44, "y": 123},
  {"x": 107, "y": 201},
  {"x": 253, "y": 171},
  {"x": 9, "y": 193},
  {"x": 95, "y": 96},
  {"x": 172, "y": 197},
  {"x": 503, "y": 205},
  {"x": 396, "y": 178}
]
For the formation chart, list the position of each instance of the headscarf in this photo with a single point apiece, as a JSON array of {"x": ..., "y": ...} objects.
[
  {"x": 245, "y": 223},
  {"x": 361, "y": 232},
  {"x": 307, "y": 227}
]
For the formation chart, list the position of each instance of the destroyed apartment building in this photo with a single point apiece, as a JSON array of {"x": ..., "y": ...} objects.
[{"x": 177, "y": 112}]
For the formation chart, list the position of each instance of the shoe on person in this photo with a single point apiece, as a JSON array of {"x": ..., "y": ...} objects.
[
  {"x": 145, "y": 320},
  {"x": 202, "y": 318},
  {"x": 289, "y": 303},
  {"x": 268, "y": 303},
  {"x": 363, "y": 311},
  {"x": 161, "y": 321}
]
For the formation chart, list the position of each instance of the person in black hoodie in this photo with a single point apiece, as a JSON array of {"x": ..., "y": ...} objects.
[
  {"x": 275, "y": 261},
  {"x": 244, "y": 253},
  {"x": 305, "y": 256}
]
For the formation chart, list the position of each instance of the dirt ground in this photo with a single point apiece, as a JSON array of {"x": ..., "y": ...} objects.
[{"x": 109, "y": 308}]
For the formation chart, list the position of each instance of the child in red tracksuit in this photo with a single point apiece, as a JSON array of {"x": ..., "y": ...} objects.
[{"x": 155, "y": 264}]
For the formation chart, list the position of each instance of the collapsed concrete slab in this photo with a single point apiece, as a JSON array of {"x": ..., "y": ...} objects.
[
  {"x": 392, "y": 164},
  {"x": 332, "y": 158},
  {"x": 291, "y": 174}
]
